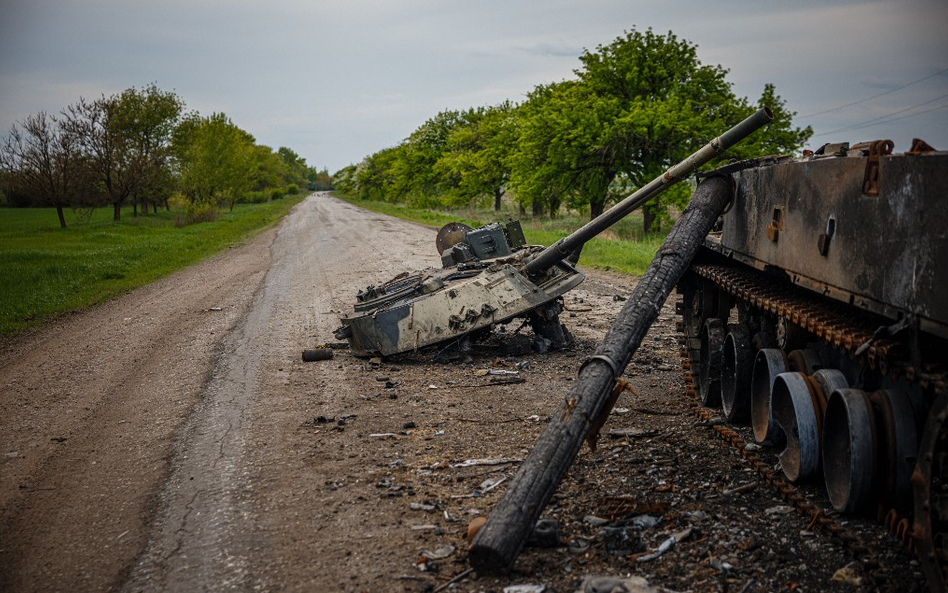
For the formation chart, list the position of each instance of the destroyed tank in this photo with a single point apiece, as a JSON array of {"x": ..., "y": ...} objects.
[
  {"x": 489, "y": 276},
  {"x": 481, "y": 284},
  {"x": 817, "y": 313}
]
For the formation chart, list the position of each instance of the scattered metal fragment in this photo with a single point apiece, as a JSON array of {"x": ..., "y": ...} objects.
[
  {"x": 487, "y": 461},
  {"x": 622, "y": 433},
  {"x": 491, "y": 483},
  {"x": 460, "y": 577},
  {"x": 848, "y": 575},
  {"x": 616, "y": 507},
  {"x": 525, "y": 589},
  {"x": 630, "y": 584},
  {"x": 440, "y": 553},
  {"x": 545, "y": 534},
  {"x": 666, "y": 545},
  {"x": 739, "y": 489},
  {"x": 595, "y": 521}
]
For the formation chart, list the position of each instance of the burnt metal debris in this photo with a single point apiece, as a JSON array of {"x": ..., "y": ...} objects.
[
  {"x": 817, "y": 313},
  {"x": 489, "y": 276},
  {"x": 829, "y": 270}
]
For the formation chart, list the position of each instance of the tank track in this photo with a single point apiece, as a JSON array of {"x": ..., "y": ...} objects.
[
  {"x": 857, "y": 335},
  {"x": 824, "y": 319}
]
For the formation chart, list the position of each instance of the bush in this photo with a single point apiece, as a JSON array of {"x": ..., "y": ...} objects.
[
  {"x": 292, "y": 189},
  {"x": 178, "y": 201},
  {"x": 277, "y": 194},
  {"x": 254, "y": 197},
  {"x": 201, "y": 212}
]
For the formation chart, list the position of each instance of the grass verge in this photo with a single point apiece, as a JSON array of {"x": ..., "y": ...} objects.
[
  {"x": 47, "y": 270},
  {"x": 624, "y": 248}
]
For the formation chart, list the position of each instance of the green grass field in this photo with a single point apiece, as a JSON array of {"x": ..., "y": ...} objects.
[
  {"x": 623, "y": 248},
  {"x": 47, "y": 270}
]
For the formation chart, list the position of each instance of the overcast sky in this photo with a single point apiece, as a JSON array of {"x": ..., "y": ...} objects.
[{"x": 339, "y": 80}]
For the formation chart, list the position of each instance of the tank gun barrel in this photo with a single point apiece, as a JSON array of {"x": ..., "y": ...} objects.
[{"x": 562, "y": 248}]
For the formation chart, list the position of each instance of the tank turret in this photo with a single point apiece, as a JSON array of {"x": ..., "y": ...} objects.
[{"x": 490, "y": 276}]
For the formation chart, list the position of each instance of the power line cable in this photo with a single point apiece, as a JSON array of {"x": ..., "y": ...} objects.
[
  {"x": 885, "y": 119},
  {"x": 898, "y": 88}
]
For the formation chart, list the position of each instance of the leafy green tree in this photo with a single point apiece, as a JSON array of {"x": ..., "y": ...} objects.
[
  {"x": 474, "y": 162},
  {"x": 320, "y": 180},
  {"x": 541, "y": 172},
  {"x": 779, "y": 137},
  {"x": 374, "y": 176},
  {"x": 215, "y": 159},
  {"x": 126, "y": 138},
  {"x": 638, "y": 105},
  {"x": 413, "y": 173},
  {"x": 345, "y": 180},
  {"x": 295, "y": 169},
  {"x": 269, "y": 169}
]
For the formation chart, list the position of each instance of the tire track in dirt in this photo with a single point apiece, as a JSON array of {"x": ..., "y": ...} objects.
[{"x": 211, "y": 532}]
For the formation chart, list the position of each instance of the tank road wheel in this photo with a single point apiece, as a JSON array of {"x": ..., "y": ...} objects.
[
  {"x": 737, "y": 363},
  {"x": 709, "y": 366},
  {"x": 930, "y": 486},
  {"x": 769, "y": 363},
  {"x": 697, "y": 304},
  {"x": 849, "y": 445}
]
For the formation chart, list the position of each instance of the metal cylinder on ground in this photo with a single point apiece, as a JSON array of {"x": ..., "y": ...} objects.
[
  {"x": 317, "y": 354},
  {"x": 805, "y": 361}
]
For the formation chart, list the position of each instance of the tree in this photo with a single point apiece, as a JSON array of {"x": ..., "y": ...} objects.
[
  {"x": 126, "y": 140},
  {"x": 42, "y": 158},
  {"x": 638, "y": 105},
  {"x": 373, "y": 178},
  {"x": 214, "y": 158},
  {"x": 779, "y": 137},
  {"x": 345, "y": 179},
  {"x": 145, "y": 121},
  {"x": 295, "y": 169},
  {"x": 268, "y": 169},
  {"x": 541, "y": 172},
  {"x": 413, "y": 173},
  {"x": 320, "y": 180},
  {"x": 475, "y": 159}
]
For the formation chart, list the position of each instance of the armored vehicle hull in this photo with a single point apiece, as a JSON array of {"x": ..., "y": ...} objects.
[{"x": 817, "y": 314}]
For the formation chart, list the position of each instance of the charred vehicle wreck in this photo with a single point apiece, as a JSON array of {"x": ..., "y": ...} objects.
[{"x": 817, "y": 313}]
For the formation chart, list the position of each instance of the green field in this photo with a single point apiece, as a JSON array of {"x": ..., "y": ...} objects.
[
  {"x": 47, "y": 270},
  {"x": 623, "y": 248}
]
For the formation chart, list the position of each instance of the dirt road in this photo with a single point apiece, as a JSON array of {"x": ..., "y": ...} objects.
[{"x": 173, "y": 440}]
